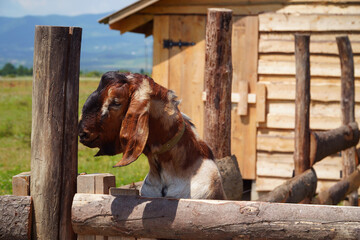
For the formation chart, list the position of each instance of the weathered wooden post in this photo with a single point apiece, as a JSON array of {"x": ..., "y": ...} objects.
[
  {"x": 218, "y": 80},
  {"x": 54, "y": 130},
  {"x": 302, "y": 104},
  {"x": 347, "y": 107}
]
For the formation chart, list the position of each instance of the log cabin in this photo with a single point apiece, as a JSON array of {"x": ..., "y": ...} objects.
[{"x": 263, "y": 87}]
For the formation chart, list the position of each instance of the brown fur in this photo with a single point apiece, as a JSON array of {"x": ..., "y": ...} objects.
[{"x": 147, "y": 119}]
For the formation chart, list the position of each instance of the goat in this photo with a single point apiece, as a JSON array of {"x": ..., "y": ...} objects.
[{"x": 131, "y": 114}]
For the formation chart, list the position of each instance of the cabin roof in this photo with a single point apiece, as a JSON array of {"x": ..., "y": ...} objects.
[{"x": 127, "y": 11}]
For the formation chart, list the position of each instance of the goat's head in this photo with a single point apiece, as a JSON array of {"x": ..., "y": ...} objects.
[{"x": 115, "y": 116}]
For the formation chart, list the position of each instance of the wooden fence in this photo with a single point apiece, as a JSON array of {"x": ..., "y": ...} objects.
[{"x": 59, "y": 213}]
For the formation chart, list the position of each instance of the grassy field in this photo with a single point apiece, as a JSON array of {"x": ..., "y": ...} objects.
[{"x": 15, "y": 137}]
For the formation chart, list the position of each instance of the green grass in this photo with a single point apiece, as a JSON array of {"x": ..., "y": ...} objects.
[{"x": 15, "y": 137}]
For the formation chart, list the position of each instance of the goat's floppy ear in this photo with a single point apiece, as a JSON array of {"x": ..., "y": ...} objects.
[{"x": 134, "y": 129}]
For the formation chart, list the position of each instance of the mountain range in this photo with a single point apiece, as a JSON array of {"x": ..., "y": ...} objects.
[{"x": 102, "y": 49}]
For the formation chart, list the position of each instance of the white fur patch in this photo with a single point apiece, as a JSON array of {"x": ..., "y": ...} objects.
[
  {"x": 143, "y": 92},
  {"x": 105, "y": 106},
  {"x": 201, "y": 182}
]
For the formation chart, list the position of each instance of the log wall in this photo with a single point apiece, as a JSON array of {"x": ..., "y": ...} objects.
[
  {"x": 276, "y": 70},
  {"x": 263, "y": 117}
]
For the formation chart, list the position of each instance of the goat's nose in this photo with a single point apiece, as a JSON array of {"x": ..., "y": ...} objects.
[{"x": 83, "y": 134}]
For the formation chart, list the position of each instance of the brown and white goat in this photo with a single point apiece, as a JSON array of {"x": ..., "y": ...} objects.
[{"x": 131, "y": 114}]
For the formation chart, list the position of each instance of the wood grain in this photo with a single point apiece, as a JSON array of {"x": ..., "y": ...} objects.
[
  {"x": 54, "y": 129},
  {"x": 194, "y": 219},
  {"x": 218, "y": 80}
]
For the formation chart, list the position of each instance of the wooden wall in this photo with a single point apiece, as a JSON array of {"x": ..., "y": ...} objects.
[
  {"x": 264, "y": 64},
  {"x": 276, "y": 69}
]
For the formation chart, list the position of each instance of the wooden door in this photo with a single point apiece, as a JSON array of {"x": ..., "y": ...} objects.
[{"x": 182, "y": 69}]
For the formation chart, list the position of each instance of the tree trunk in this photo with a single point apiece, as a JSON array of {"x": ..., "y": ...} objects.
[
  {"x": 15, "y": 217},
  {"x": 347, "y": 107},
  {"x": 54, "y": 129},
  {"x": 294, "y": 190},
  {"x": 218, "y": 77},
  {"x": 210, "y": 219},
  {"x": 323, "y": 144}
]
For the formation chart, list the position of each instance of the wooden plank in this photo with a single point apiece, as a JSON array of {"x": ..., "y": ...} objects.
[
  {"x": 21, "y": 184},
  {"x": 249, "y": 9},
  {"x": 55, "y": 97},
  {"x": 277, "y": 79},
  {"x": 131, "y": 22},
  {"x": 316, "y": 37},
  {"x": 15, "y": 217},
  {"x": 278, "y": 121},
  {"x": 271, "y": 22},
  {"x": 242, "y": 106},
  {"x": 317, "y": 109},
  {"x": 322, "y": 92},
  {"x": 287, "y": 46},
  {"x": 176, "y": 218},
  {"x": 281, "y": 165},
  {"x": 314, "y": 58},
  {"x": 186, "y": 66},
  {"x": 260, "y": 102},
  {"x": 266, "y": 184},
  {"x": 243, "y": 143},
  {"x": 275, "y": 141},
  {"x": 160, "y": 71},
  {"x": 288, "y": 68}
]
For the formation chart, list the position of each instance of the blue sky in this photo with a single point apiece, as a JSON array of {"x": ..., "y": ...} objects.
[{"x": 20, "y": 8}]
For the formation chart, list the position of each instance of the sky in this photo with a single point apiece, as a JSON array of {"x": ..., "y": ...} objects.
[{"x": 20, "y": 8}]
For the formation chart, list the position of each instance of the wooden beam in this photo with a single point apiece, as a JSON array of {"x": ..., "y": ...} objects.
[
  {"x": 277, "y": 22},
  {"x": 249, "y": 9},
  {"x": 302, "y": 104},
  {"x": 218, "y": 80},
  {"x": 340, "y": 190},
  {"x": 323, "y": 144},
  {"x": 130, "y": 23},
  {"x": 178, "y": 218},
  {"x": 245, "y": 68},
  {"x": 21, "y": 184},
  {"x": 97, "y": 183},
  {"x": 15, "y": 217},
  {"x": 347, "y": 107},
  {"x": 294, "y": 190},
  {"x": 54, "y": 129},
  {"x": 261, "y": 102}
]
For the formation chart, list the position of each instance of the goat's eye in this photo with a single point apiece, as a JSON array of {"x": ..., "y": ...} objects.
[{"x": 115, "y": 104}]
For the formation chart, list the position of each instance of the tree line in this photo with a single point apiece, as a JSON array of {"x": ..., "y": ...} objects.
[{"x": 10, "y": 70}]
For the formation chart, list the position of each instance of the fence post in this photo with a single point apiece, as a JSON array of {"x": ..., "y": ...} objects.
[
  {"x": 218, "y": 80},
  {"x": 54, "y": 130},
  {"x": 347, "y": 107},
  {"x": 302, "y": 104}
]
